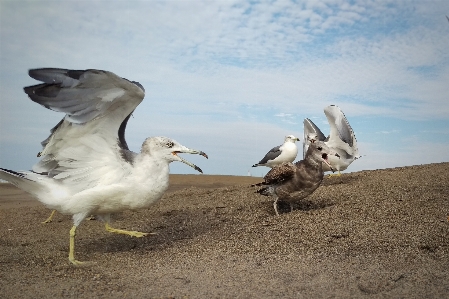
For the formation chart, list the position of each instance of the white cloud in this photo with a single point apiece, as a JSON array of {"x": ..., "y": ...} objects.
[{"x": 388, "y": 132}]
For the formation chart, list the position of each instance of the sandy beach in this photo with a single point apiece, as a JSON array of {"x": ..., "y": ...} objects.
[{"x": 369, "y": 234}]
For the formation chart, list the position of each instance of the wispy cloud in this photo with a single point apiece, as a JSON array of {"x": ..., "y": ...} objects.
[{"x": 388, "y": 132}]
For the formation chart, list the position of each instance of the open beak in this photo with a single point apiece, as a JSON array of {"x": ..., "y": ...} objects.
[
  {"x": 190, "y": 151},
  {"x": 325, "y": 160}
]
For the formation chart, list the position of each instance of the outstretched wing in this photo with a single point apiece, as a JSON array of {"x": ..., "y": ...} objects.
[
  {"x": 88, "y": 144},
  {"x": 280, "y": 173},
  {"x": 310, "y": 129},
  {"x": 340, "y": 129}
]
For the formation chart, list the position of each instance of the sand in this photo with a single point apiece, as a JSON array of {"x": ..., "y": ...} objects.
[{"x": 369, "y": 234}]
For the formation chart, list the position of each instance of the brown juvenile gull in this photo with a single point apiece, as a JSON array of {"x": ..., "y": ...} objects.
[
  {"x": 291, "y": 182},
  {"x": 283, "y": 153},
  {"x": 86, "y": 167},
  {"x": 341, "y": 139}
]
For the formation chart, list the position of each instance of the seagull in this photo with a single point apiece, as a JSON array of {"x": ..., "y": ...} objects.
[
  {"x": 283, "y": 153},
  {"x": 86, "y": 167},
  {"x": 292, "y": 182},
  {"x": 341, "y": 139}
]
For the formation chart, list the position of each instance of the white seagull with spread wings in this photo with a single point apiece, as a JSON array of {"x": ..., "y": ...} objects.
[
  {"x": 341, "y": 139},
  {"x": 86, "y": 167}
]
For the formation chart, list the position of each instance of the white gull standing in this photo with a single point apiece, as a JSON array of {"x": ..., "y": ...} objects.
[
  {"x": 86, "y": 167},
  {"x": 341, "y": 139},
  {"x": 286, "y": 152}
]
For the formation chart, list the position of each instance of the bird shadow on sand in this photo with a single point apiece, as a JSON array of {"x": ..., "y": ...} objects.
[
  {"x": 166, "y": 229},
  {"x": 343, "y": 179},
  {"x": 305, "y": 205}
]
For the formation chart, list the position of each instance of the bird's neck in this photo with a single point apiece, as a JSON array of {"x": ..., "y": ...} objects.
[
  {"x": 149, "y": 169},
  {"x": 312, "y": 163}
]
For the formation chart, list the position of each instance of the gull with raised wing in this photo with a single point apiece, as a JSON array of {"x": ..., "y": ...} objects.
[
  {"x": 86, "y": 167},
  {"x": 341, "y": 139}
]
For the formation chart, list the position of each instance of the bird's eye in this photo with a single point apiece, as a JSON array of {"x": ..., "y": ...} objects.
[
  {"x": 319, "y": 148},
  {"x": 170, "y": 144}
]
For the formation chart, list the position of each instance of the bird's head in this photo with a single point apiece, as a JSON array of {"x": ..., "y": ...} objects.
[
  {"x": 168, "y": 149},
  {"x": 320, "y": 152},
  {"x": 311, "y": 137},
  {"x": 291, "y": 138}
]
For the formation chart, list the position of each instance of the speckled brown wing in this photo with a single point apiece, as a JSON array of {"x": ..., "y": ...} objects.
[{"x": 280, "y": 173}]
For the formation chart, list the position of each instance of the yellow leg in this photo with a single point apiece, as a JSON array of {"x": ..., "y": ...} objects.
[
  {"x": 72, "y": 247},
  {"x": 49, "y": 219},
  {"x": 125, "y": 232},
  {"x": 333, "y": 175}
]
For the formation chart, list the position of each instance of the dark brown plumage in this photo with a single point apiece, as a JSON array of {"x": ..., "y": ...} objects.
[{"x": 292, "y": 182}]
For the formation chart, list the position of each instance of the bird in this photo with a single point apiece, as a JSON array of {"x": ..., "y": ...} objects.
[
  {"x": 341, "y": 139},
  {"x": 85, "y": 166},
  {"x": 283, "y": 153},
  {"x": 292, "y": 182}
]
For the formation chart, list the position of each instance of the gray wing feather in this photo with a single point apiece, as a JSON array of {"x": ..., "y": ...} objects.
[
  {"x": 310, "y": 127},
  {"x": 337, "y": 118},
  {"x": 60, "y": 76},
  {"x": 271, "y": 155},
  {"x": 82, "y": 95}
]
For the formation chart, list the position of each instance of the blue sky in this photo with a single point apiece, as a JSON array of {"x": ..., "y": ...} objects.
[{"x": 232, "y": 78}]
